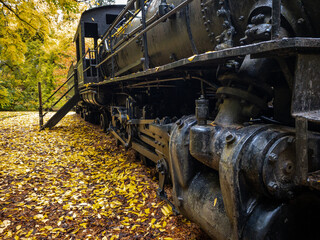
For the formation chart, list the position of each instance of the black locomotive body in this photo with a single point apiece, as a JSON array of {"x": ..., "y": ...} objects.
[{"x": 223, "y": 96}]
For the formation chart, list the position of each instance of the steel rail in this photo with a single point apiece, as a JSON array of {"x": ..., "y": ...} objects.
[{"x": 160, "y": 20}]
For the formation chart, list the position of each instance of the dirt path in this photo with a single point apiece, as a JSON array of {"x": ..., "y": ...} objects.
[{"x": 71, "y": 182}]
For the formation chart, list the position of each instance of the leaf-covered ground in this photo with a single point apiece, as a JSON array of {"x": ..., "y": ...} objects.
[{"x": 72, "y": 182}]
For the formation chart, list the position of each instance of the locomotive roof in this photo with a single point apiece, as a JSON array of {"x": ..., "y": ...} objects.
[{"x": 98, "y": 15}]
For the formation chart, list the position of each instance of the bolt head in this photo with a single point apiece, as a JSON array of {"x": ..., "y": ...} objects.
[
  {"x": 230, "y": 138},
  {"x": 273, "y": 158},
  {"x": 272, "y": 186}
]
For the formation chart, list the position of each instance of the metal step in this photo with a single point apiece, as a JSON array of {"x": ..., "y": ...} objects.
[{"x": 61, "y": 112}]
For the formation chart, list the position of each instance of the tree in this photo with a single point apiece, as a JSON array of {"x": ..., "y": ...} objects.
[
  {"x": 97, "y": 3},
  {"x": 36, "y": 45},
  {"x": 31, "y": 48}
]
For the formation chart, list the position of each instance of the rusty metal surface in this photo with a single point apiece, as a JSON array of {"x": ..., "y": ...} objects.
[
  {"x": 232, "y": 172},
  {"x": 306, "y": 98}
]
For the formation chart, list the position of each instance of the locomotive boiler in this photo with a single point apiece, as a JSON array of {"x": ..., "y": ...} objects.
[{"x": 222, "y": 96}]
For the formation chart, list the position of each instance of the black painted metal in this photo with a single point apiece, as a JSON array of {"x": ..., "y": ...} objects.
[
  {"x": 306, "y": 99},
  {"x": 276, "y": 19},
  {"x": 117, "y": 20},
  {"x": 144, "y": 36},
  {"x": 40, "y": 105},
  {"x": 286, "y": 47},
  {"x": 193, "y": 45},
  {"x": 152, "y": 25},
  {"x": 232, "y": 172}
]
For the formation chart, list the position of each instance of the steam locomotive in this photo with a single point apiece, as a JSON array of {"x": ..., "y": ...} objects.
[{"x": 223, "y": 96}]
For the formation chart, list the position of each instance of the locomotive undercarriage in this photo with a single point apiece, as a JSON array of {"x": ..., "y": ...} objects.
[{"x": 232, "y": 153}]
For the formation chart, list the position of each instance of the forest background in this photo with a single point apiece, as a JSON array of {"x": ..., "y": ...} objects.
[{"x": 36, "y": 45}]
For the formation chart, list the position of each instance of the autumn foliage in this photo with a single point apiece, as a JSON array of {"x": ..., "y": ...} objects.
[
  {"x": 36, "y": 45},
  {"x": 72, "y": 182}
]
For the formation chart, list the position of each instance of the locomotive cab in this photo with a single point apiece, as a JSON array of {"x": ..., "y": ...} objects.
[{"x": 93, "y": 24}]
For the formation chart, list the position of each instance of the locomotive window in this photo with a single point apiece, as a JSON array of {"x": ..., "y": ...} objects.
[
  {"x": 89, "y": 43},
  {"x": 110, "y": 18},
  {"x": 91, "y": 29}
]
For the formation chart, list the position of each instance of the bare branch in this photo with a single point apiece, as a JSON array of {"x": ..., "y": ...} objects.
[{"x": 17, "y": 15}]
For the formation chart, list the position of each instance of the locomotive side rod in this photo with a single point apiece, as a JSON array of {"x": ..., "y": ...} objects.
[{"x": 160, "y": 20}]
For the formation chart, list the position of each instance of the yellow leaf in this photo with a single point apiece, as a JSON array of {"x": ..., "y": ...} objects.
[
  {"x": 164, "y": 224},
  {"x": 167, "y": 238},
  {"x": 58, "y": 229},
  {"x": 215, "y": 202},
  {"x": 75, "y": 231},
  {"x": 153, "y": 221},
  {"x": 158, "y": 225},
  {"x": 134, "y": 227},
  {"x": 48, "y": 228},
  {"x": 29, "y": 233},
  {"x": 166, "y": 210},
  {"x": 84, "y": 225},
  {"x": 18, "y": 227},
  {"x": 38, "y": 216},
  {"x": 9, "y": 234},
  {"x": 66, "y": 207},
  {"x": 114, "y": 237},
  {"x": 191, "y": 58}
]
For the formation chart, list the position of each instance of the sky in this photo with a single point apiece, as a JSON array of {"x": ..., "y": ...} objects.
[{"x": 121, "y": 2}]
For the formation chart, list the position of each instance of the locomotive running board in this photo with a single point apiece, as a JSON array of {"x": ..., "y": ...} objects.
[{"x": 273, "y": 48}]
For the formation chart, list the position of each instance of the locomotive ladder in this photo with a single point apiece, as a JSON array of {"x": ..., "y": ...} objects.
[{"x": 72, "y": 82}]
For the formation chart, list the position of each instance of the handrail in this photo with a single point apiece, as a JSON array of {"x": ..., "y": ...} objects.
[
  {"x": 137, "y": 29},
  {"x": 68, "y": 79},
  {"x": 161, "y": 19},
  {"x": 88, "y": 51},
  {"x": 129, "y": 21},
  {"x": 48, "y": 109},
  {"x": 119, "y": 17}
]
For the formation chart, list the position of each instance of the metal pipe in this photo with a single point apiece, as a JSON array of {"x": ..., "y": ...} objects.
[
  {"x": 206, "y": 82},
  {"x": 154, "y": 81},
  {"x": 276, "y": 19},
  {"x": 112, "y": 60},
  {"x": 134, "y": 31},
  {"x": 161, "y": 19},
  {"x": 40, "y": 106},
  {"x": 144, "y": 36},
  {"x": 119, "y": 17},
  {"x": 61, "y": 97},
  {"x": 68, "y": 79}
]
